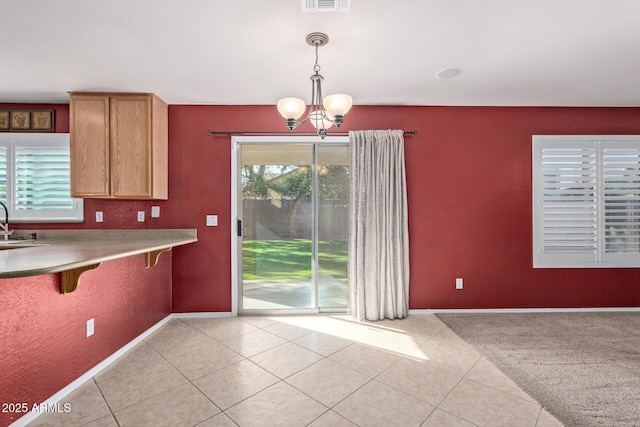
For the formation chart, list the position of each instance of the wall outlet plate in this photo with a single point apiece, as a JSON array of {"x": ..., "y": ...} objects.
[
  {"x": 459, "y": 283},
  {"x": 155, "y": 211},
  {"x": 140, "y": 216},
  {"x": 99, "y": 216},
  {"x": 89, "y": 327}
]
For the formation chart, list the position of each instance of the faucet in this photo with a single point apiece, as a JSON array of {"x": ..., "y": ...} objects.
[{"x": 5, "y": 224}]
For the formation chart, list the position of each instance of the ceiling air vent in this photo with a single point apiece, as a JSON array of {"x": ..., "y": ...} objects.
[{"x": 325, "y": 5}]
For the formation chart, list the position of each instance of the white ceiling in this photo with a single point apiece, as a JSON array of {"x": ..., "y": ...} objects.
[{"x": 512, "y": 52}]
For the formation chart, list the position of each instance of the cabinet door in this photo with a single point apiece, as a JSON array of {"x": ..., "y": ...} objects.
[
  {"x": 131, "y": 146},
  {"x": 89, "y": 129}
]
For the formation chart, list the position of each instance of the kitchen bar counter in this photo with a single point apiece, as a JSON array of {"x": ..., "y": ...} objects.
[{"x": 74, "y": 251}]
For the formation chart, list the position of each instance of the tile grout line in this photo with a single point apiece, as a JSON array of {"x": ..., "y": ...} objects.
[
  {"x": 197, "y": 388},
  {"x": 330, "y": 408},
  {"x": 144, "y": 400},
  {"x": 166, "y": 391},
  {"x": 464, "y": 375},
  {"x": 248, "y": 359},
  {"x": 323, "y": 357},
  {"x": 113, "y": 414},
  {"x": 487, "y": 385},
  {"x": 451, "y": 391}
]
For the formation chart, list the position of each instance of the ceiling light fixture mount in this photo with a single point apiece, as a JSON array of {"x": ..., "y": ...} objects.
[{"x": 323, "y": 112}]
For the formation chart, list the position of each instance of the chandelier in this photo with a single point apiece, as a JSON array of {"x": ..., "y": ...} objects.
[{"x": 323, "y": 112}]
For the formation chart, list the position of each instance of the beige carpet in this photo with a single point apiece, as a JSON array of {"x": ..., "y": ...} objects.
[{"x": 583, "y": 367}]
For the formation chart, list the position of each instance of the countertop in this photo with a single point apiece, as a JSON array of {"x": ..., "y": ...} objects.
[{"x": 62, "y": 250}]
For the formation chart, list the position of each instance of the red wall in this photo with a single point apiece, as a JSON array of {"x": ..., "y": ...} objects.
[
  {"x": 42, "y": 332},
  {"x": 469, "y": 179},
  {"x": 469, "y": 183}
]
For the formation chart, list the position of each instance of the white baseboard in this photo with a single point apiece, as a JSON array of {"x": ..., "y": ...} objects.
[
  {"x": 29, "y": 417},
  {"x": 523, "y": 310}
]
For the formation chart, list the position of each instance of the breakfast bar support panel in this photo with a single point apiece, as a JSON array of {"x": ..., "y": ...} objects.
[
  {"x": 152, "y": 257},
  {"x": 70, "y": 278}
]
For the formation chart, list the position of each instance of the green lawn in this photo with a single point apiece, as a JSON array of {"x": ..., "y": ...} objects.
[{"x": 291, "y": 259}]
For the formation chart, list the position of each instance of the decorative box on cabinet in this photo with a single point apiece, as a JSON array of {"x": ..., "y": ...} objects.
[{"x": 119, "y": 146}]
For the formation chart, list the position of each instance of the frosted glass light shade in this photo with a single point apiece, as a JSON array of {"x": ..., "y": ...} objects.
[
  {"x": 320, "y": 122},
  {"x": 338, "y": 104},
  {"x": 291, "y": 108}
]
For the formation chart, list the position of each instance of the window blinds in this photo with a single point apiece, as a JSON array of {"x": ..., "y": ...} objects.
[
  {"x": 569, "y": 200},
  {"x": 3, "y": 173},
  {"x": 42, "y": 178},
  {"x": 586, "y": 201},
  {"x": 35, "y": 178},
  {"x": 621, "y": 170}
]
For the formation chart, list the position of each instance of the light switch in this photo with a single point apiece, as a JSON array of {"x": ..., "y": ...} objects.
[
  {"x": 155, "y": 211},
  {"x": 212, "y": 220}
]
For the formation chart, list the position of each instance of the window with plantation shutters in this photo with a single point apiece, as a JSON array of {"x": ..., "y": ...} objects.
[
  {"x": 35, "y": 178},
  {"x": 621, "y": 175},
  {"x": 586, "y": 201},
  {"x": 3, "y": 173}
]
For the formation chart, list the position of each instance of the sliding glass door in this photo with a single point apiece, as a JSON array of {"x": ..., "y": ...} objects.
[
  {"x": 292, "y": 218},
  {"x": 332, "y": 225}
]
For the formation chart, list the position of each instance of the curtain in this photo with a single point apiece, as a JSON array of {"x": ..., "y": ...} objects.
[{"x": 378, "y": 226}]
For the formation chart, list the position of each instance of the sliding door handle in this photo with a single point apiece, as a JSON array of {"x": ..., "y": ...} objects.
[{"x": 239, "y": 228}]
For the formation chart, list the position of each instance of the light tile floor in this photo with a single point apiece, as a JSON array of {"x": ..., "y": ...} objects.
[{"x": 301, "y": 371}]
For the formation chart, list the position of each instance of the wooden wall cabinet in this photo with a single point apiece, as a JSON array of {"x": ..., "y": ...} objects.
[{"x": 119, "y": 146}]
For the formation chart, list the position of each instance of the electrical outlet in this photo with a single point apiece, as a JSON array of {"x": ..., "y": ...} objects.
[
  {"x": 155, "y": 211},
  {"x": 140, "y": 216},
  {"x": 459, "y": 283},
  {"x": 99, "y": 216},
  {"x": 212, "y": 220},
  {"x": 89, "y": 327}
]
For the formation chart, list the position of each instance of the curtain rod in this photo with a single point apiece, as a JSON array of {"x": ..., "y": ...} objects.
[{"x": 231, "y": 132}]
